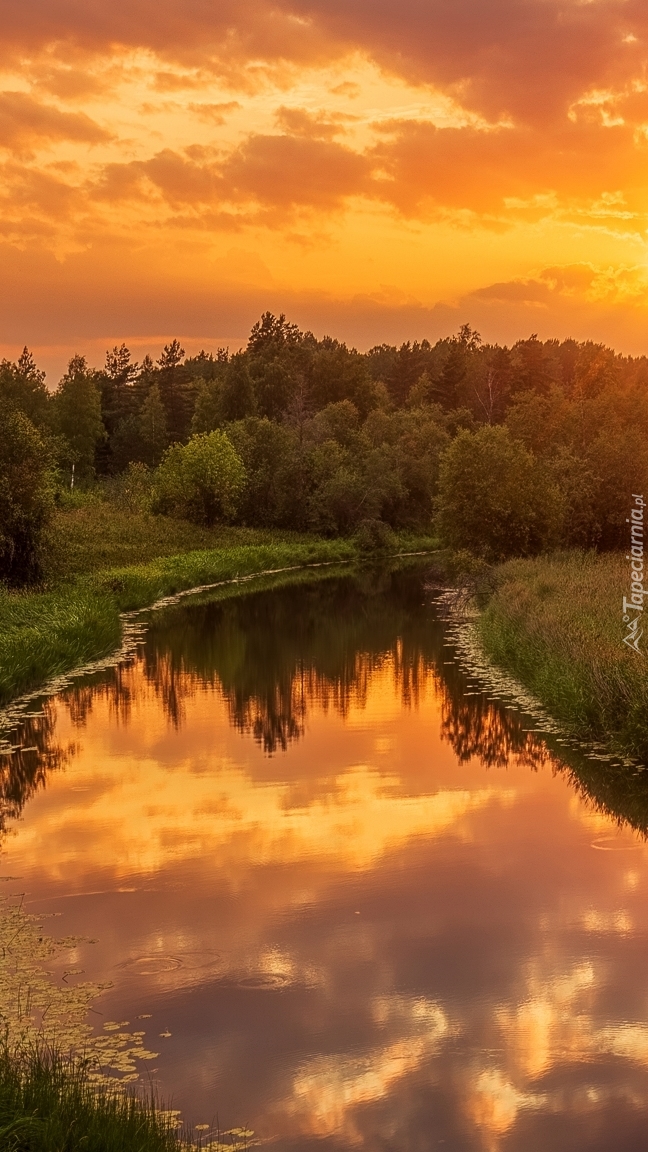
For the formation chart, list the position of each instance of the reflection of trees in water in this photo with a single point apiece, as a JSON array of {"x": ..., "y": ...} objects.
[
  {"x": 116, "y": 686},
  {"x": 615, "y": 789},
  {"x": 24, "y": 770},
  {"x": 475, "y": 727},
  {"x": 273, "y": 655}
]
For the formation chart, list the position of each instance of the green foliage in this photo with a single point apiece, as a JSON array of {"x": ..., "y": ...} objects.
[
  {"x": 494, "y": 499},
  {"x": 78, "y": 415},
  {"x": 26, "y": 497},
  {"x": 152, "y": 427},
  {"x": 374, "y": 536},
  {"x": 237, "y": 392},
  {"x": 556, "y": 622},
  {"x": 208, "y": 412},
  {"x": 201, "y": 480},
  {"x": 22, "y": 386},
  {"x": 271, "y": 457},
  {"x": 330, "y": 437},
  {"x": 132, "y": 491},
  {"x": 50, "y": 1104}
]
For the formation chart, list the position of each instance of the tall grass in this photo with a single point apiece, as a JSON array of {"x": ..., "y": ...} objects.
[
  {"x": 556, "y": 621},
  {"x": 48, "y": 1104}
]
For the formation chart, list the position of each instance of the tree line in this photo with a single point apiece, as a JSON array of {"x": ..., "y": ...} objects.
[{"x": 500, "y": 450}]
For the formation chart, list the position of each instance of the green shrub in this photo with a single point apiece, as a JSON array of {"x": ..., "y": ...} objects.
[
  {"x": 26, "y": 497},
  {"x": 495, "y": 499},
  {"x": 374, "y": 536},
  {"x": 202, "y": 480}
]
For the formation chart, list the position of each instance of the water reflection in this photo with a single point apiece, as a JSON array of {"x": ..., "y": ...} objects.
[
  {"x": 26, "y": 759},
  {"x": 361, "y": 907}
]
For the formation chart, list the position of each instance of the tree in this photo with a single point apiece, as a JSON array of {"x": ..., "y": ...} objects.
[
  {"x": 171, "y": 355},
  {"x": 118, "y": 405},
  {"x": 23, "y": 386},
  {"x": 237, "y": 395},
  {"x": 177, "y": 391},
  {"x": 272, "y": 333},
  {"x": 460, "y": 350},
  {"x": 270, "y": 454},
  {"x": 78, "y": 415},
  {"x": 200, "y": 481},
  {"x": 153, "y": 427},
  {"x": 208, "y": 412},
  {"x": 26, "y": 496},
  {"x": 494, "y": 499},
  {"x": 274, "y": 386}
]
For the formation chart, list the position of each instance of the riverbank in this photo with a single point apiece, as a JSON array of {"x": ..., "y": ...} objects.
[
  {"x": 556, "y": 623},
  {"x": 76, "y": 618},
  {"x": 51, "y": 1104},
  {"x": 48, "y": 1104}
]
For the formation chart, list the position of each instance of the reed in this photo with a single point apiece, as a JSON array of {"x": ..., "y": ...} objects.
[
  {"x": 50, "y": 1104},
  {"x": 556, "y": 622}
]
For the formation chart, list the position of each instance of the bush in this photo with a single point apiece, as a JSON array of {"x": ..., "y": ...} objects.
[
  {"x": 132, "y": 489},
  {"x": 494, "y": 498},
  {"x": 26, "y": 497},
  {"x": 374, "y": 536},
  {"x": 201, "y": 481}
]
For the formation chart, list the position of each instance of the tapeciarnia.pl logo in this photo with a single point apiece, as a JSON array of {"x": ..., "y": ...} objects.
[{"x": 633, "y": 607}]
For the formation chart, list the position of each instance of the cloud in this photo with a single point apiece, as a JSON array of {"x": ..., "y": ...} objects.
[
  {"x": 215, "y": 114},
  {"x": 25, "y": 122},
  {"x": 300, "y": 122},
  {"x": 286, "y": 171},
  {"x": 518, "y": 291},
  {"x": 529, "y": 61}
]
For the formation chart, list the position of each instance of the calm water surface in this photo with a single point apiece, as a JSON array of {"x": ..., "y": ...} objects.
[{"x": 364, "y": 909}]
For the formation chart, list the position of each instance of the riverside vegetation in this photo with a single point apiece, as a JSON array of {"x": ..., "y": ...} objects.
[
  {"x": 556, "y": 621},
  {"x": 297, "y": 450},
  {"x": 48, "y": 1104}
]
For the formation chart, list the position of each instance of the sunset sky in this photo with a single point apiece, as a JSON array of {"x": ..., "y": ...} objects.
[{"x": 377, "y": 170}]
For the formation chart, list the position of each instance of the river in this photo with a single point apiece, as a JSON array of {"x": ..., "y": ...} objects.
[{"x": 352, "y": 902}]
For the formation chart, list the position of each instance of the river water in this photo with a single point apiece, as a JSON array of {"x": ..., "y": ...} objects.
[{"x": 352, "y": 902}]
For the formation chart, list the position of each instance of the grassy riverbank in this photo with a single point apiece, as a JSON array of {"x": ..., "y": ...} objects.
[
  {"x": 556, "y": 622},
  {"x": 93, "y": 577},
  {"x": 50, "y": 1105}
]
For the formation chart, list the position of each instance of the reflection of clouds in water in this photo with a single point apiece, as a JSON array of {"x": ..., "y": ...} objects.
[
  {"x": 494, "y": 1103},
  {"x": 146, "y": 818},
  {"x": 479, "y": 977},
  {"x": 327, "y": 1090}
]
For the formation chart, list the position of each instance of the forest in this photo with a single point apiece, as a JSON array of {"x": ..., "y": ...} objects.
[{"x": 499, "y": 451}]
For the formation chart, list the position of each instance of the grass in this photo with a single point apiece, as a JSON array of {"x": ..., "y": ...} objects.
[
  {"x": 105, "y": 560},
  {"x": 556, "y": 622},
  {"x": 97, "y": 534},
  {"x": 51, "y": 1104}
]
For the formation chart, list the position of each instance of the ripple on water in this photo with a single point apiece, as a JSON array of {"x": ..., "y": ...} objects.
[
  {"x": 151, "y": 965},
  {"x": 611, "y": 844}
]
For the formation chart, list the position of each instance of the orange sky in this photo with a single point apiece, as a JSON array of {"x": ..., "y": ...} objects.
[{"x": 377, "y": 170}]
